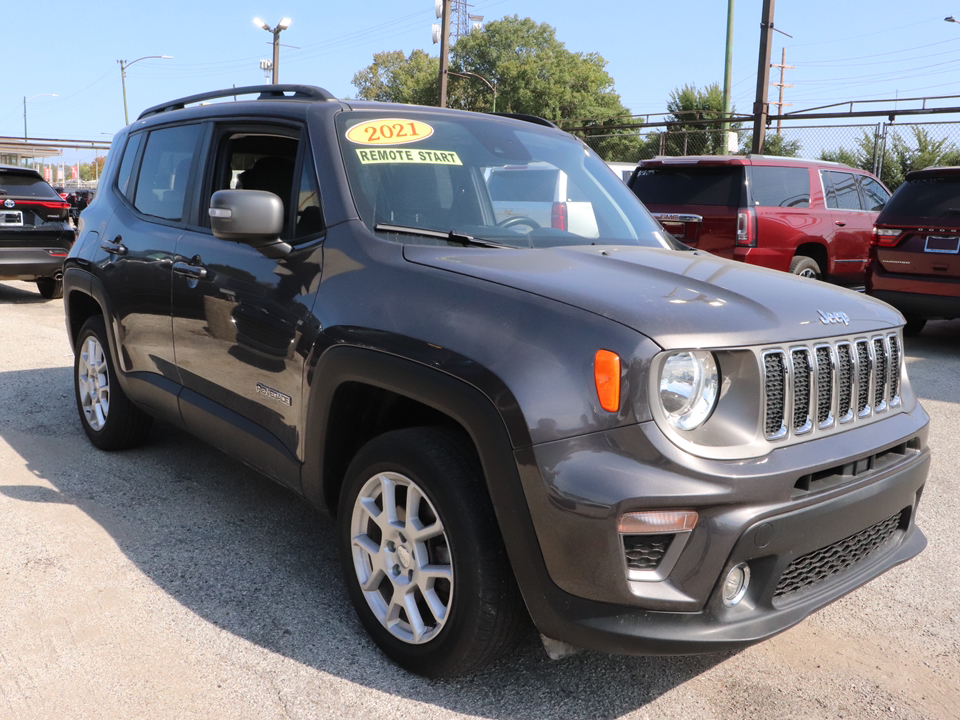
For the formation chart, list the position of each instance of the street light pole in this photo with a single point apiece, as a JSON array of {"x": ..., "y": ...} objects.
[
  {"x": 489, "y": 84},
  {"x": 123, "y": 79},
  {"x": 281, "y": 26},
  {"x": 25, "y": 99}
]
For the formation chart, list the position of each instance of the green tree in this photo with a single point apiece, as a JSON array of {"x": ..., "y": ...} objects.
[
  {"x": 533, "y": 73},
  {"x": 395, "y": 77},
  {"x": 773, "y": 144},
  {"x": 689, "y": 103}
]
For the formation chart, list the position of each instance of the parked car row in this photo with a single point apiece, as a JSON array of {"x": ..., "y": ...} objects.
[{"x": 819, "y": 220}]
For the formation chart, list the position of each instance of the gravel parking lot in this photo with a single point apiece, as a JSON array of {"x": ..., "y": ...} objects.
[{"x": 173, "y": 582}]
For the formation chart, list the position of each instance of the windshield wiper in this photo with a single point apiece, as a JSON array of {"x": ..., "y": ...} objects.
[{"x": 452, "y": 236}]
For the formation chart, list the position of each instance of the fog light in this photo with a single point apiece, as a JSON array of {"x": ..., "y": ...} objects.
[{"x": 735, "y": 586}]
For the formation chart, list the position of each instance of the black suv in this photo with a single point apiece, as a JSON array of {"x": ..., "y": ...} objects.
[
  {"x": 641, "y": 447},
  {"x": 35, "y": 235}
]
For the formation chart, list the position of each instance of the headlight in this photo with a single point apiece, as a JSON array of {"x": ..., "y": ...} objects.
[{"x": 689, "y": 383}]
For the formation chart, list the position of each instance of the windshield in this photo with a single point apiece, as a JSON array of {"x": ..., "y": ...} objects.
[{"x": 507, "y": 182}]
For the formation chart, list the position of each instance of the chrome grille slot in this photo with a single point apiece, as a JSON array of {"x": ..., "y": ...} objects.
[
  {"x": 825, "y": 386},
  {"x": 802, "y": 390},
  {"x": 814, "y": 388},
  {"x": 775, "y": 387},
  {"x": 864, "y": 369},
  {"x": 894, "y": 370},
  {"x": 880, "y": 378}
]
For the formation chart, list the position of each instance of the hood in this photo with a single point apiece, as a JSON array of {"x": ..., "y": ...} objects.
[{"x": 678, "y": 299}]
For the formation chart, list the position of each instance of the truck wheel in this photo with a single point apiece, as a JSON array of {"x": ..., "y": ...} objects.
[
  {"x": 914, "y": 325},
  {"x": 50, "y": 288},
  {"x": 422, "y": 557},
  {"x": 806, "y": 267},
  {"x": 109, "y": 419}
]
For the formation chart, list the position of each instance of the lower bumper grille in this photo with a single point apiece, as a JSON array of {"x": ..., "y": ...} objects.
[
  {"x": 644, "y": 552},
  {"x": 820, "y": 564}
]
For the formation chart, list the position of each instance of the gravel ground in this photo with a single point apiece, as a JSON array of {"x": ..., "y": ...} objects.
[{"x": 172, "y": 582}]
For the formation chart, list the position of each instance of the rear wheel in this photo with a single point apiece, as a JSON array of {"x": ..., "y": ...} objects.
[
  {"x": 422, "y": 556},
  {"x": 109, "y": 419},
  {"x": 806, "y": 267},
  {"x": 50, "y": 288}
]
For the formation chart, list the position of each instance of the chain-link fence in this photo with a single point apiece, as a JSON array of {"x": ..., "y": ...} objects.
[{"x": 889, "y": 150}]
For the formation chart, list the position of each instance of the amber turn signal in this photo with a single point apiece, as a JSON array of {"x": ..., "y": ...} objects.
[{"x": 606, "y": 374}]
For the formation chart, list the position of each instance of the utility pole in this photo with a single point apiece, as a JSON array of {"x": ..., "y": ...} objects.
[
  {"x": 781, "y": 104},
  {"x": 444, "y": 51},
  {"x": 760, "y": 105},
  {"x": 728, "y": 78}
]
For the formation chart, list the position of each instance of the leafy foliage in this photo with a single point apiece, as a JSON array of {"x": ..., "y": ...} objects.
[
  {"x": 690, "y": 103},
  {"x": 532, "y": 71}
]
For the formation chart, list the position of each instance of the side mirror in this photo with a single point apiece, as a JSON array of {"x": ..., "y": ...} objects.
[{"x": 251, "y": 217}]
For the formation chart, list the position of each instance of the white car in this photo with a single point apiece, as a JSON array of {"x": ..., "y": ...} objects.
[{"x": 540, "y": 195}]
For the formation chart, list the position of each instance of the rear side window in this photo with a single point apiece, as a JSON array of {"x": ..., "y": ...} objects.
[
  {"x": 875, "y": 195},
  {"x": 934, "y": 198},
  {"x": 690, "y": 185},
  {"x": 16, "y": 184},
  {"x": 126, "y": 165},
  {"x": 780, "y": 186},
  {"x": 845, "y": 195},
  {"x": 165, "y": 170}
]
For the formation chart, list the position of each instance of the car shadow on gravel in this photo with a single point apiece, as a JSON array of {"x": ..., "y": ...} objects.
[
  {"x": 251, "y": 558},
  {"x": 926, "y": 353},
  {"x": 20, "y": 293}
]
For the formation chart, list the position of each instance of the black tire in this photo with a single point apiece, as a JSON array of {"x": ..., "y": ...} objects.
[
  {"x": 108, "y": 417},
  {"x": 50, "y": 288},
  {"x": 481, "y": 608},
  {"x": 914, "y": 326},
  {"x": 806, "y": 267}
]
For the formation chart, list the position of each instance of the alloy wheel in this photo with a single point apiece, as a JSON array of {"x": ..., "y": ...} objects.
[{"x": 93, "y": 380}]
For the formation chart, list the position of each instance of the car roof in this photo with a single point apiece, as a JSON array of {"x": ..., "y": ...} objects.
[
  {"x": 934, "y": 171},
  {"x": 751, "y": 159},
  {"x": 20, "y": 170}
]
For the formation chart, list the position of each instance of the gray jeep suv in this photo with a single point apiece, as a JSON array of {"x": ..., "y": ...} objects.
[{"x": 639, "y": 447}]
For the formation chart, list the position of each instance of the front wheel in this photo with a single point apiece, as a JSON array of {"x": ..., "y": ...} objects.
[
  {"x": 806, "y": 267},
  {"x": 109, "y": 419},
  {"x": 422, "y": 556}
]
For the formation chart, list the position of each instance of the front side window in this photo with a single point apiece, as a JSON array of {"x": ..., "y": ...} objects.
[
  {"x": 505, "y": 182},
  {"x": 780, "y": 186},
  {"x": 845, "y": 193},
  {"x": 165, "y": 170}
]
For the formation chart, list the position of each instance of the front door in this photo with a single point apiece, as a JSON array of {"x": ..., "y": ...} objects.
[{"x": 242, "y": 324}]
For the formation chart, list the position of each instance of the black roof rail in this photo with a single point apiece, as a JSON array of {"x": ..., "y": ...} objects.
[
  {"x": 528, "y": 118},
  {"x": 265, "y": 92}
]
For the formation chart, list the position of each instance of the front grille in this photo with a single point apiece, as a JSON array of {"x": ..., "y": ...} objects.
[
  {"x": 820, "y": 564},
  {"x": 644, "y": 552},
  {"x": 811, "y": 388}
]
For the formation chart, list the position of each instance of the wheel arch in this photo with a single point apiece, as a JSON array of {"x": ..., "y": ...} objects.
[
  {"x": 818, "y": 252},
  {"x": 359, "y": 393}
]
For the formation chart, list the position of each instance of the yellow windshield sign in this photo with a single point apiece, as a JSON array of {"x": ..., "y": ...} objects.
[
  {"x": 389, "y": 131},
  {"x": 404, "y": 155}
]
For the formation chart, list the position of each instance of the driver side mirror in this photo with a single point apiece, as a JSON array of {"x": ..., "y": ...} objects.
[{"x": 251, "y": 217}]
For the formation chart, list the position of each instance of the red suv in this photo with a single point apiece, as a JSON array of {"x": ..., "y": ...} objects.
[
  {"x": 915, "y": 263},
  {"x": 809, "y": 217}
]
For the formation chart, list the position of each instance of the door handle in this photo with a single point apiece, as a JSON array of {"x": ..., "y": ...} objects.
[
  {"x": 841, "y": 223},
  {"x": 192, "y": 271},
  {"x": 115, "y": 246}
]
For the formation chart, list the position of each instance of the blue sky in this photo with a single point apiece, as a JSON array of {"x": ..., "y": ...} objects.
[{"x": 841, "y": 50}]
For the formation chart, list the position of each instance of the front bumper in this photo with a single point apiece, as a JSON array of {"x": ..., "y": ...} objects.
[{"x": 766, "y": 512}]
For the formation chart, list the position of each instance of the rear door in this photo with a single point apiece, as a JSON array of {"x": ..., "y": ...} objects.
[
  {"x": 854, "y": 204},
  {"x": 242, "y": 321},
  {"x": 697, "y": 204}
]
